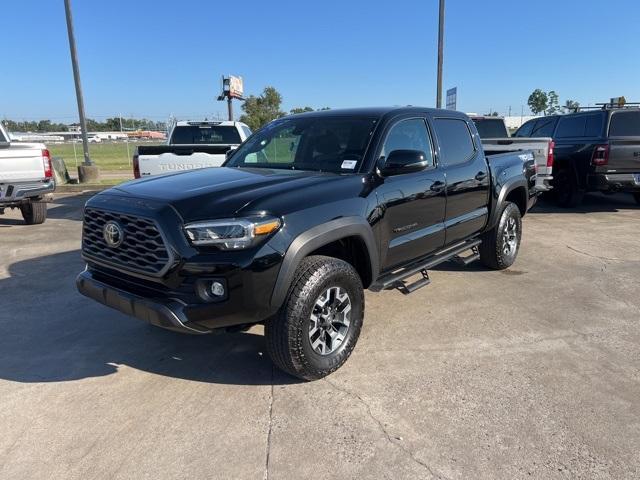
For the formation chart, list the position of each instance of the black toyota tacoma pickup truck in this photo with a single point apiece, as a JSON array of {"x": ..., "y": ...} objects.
[{"x": 305, "y": 215}]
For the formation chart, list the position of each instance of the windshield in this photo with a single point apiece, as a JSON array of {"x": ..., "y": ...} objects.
[
  {"x": 324, "y": 143},
  {"x": 491, "y": 128},
  {"x": 205, "y": 134}
]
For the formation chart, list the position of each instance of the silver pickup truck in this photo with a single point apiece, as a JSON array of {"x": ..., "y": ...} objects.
[
  {"x": 495, "y": 139},
  {"x": 26, "y": 178}
]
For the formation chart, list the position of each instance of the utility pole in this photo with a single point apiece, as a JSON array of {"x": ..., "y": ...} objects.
[
  {"x": 440, "y": 54},
  {"x": 230, "y": 108},
  {"x": 87, "y": 171}
]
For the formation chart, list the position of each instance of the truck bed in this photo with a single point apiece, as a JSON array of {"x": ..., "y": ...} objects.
[{"x": 539, "y": 147}]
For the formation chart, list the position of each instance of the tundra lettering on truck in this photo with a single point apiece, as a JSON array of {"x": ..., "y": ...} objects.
[{"x": 306, "y": 214}]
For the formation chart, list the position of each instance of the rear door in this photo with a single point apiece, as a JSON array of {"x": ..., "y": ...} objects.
[
  {"x": 467, "y": 178},
  {"x": 624, "y": 142}
]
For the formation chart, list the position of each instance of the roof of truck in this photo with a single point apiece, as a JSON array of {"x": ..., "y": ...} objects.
[{"x": 381, "y": 111}]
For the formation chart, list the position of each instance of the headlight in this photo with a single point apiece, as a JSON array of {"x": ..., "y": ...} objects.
[{"x": 231, "y": 233}]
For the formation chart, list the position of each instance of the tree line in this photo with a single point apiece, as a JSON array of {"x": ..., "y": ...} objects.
[
  {"x": 547, "y": 102},
  {"x": 260, "y": 110},
  {"x": 109, "y": 125}
]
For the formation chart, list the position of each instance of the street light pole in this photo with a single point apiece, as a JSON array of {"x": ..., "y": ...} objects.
[
  {"x": 440, "y": 54},
  {"x": 76, "y": 77}
]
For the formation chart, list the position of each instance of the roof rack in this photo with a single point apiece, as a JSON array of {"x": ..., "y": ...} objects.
[{"x": 607, "y": 106}]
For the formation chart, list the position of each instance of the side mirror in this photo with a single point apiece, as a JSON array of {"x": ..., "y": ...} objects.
[{"x": 400, "y": 162}]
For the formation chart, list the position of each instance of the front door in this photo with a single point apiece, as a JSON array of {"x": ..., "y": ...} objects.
[{"x": 413, "y": 204}]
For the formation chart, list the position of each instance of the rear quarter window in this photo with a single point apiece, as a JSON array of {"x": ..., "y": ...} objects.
[
  {"x": 454, "y": 139},
  {"x": 571, "y": 126},
  {"x": 625, "y": 124}
]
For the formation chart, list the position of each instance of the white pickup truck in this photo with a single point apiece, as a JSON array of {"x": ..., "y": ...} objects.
[
  {"x": 190, "y": 145},
  {"x": 495, "y": 139},
  {"x": 26, "y": 178}
]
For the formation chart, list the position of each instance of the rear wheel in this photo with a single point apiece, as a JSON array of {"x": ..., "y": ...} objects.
[
  {"x": 567, "y": 191},
  {"x": 34, "y": 213},
  {"x": 318, "y": 326},
  {"x": 637, "y": 197},
  {"x": 500, "y": 245}
]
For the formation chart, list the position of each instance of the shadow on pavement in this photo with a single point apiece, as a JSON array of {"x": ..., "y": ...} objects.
[
  {"x": 68, "y": 207},
  {"x": 593, "y": 202},
  {"x": 51, "y": 333}
]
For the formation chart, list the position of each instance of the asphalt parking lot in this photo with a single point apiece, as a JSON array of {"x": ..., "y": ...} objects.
[{"x": 533, "y": 372}]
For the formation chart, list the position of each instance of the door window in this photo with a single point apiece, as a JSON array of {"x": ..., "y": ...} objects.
[
  {"x": 544, "y": 127},
  {"x": 525, "y": 129},
  {"x": 454, "y": 138},
  {"x": 409, "y": 134}
]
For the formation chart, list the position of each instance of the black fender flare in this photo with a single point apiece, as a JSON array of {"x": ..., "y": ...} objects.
[
  {"x": 508, "y": 187},
  {"x": 315, "y": 238}
]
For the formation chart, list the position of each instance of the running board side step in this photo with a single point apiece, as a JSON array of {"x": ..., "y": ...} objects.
[
  {"x": 464, "y": 261},
  {"x": 397, "y": 278}
]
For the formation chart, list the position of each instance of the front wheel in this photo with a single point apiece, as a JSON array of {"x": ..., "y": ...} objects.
[
  {"x": 319, "y": 323},
  {"x": 34, "y": 213},
  {"x": 500, "y": 245},
  {"x": 637, "y": 197}
]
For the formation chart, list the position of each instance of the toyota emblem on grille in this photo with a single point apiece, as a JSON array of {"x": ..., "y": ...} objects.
[{"x": 113, "y": 234}]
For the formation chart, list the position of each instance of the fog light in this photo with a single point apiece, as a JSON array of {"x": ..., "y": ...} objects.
[{"x": 217, "y": 289}]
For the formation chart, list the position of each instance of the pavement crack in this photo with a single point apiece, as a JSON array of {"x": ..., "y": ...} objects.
[
  {"x": 391, "y": 439},
  {"x": 268, "y": 447},
  {"x": 581, "y": 252}
]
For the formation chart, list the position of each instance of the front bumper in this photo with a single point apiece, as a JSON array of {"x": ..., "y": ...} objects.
[
  {"x": 616, "y": 182},
  {"x": 16, "y": 192},
  {"x": 168, "y": 315}
]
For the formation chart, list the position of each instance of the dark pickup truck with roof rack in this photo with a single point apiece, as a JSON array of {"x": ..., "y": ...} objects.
[
  {"x": 308, "y": 212},
  {"x": 595, "y": 150}
]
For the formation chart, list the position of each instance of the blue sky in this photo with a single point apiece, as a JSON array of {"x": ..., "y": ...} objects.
[{"x": 156, "y": 58}]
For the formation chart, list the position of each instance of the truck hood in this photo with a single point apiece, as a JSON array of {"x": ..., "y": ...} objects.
[{"x": 220, "y": 192}]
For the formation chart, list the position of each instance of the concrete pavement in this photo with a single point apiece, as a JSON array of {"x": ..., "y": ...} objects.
[{"x": 533, "y": 372}]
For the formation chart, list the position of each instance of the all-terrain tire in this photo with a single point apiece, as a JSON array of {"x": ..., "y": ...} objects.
[
  {"x": 287, "y": 334},
  {"x": 34, "y": 213},
  {"x": 500, "y": 245}
]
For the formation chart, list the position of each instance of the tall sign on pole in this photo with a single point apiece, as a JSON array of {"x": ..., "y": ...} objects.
[
  {"x": 452, "y": 98},
  {"x": 232, "y": 87},
  {"x": 76, "y": 78},
  {"x": 440, "y": 54}
]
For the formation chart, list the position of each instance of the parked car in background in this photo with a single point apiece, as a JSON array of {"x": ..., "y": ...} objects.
[
  {"x": 496, "y": 139},
  {"x": 307, "y": 213},
  {"x": 190, "y": 145},
  {"x": 595, "y": 150},
  {"x": 26, "y": 178}
]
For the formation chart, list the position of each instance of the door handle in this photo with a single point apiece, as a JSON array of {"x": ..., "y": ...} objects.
[
  {"x": 437, "y": 186},
  {"x": 480, "y": 176}
]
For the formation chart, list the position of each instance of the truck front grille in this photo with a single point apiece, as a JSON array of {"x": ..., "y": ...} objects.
[{"x": 142, "y": 248}]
